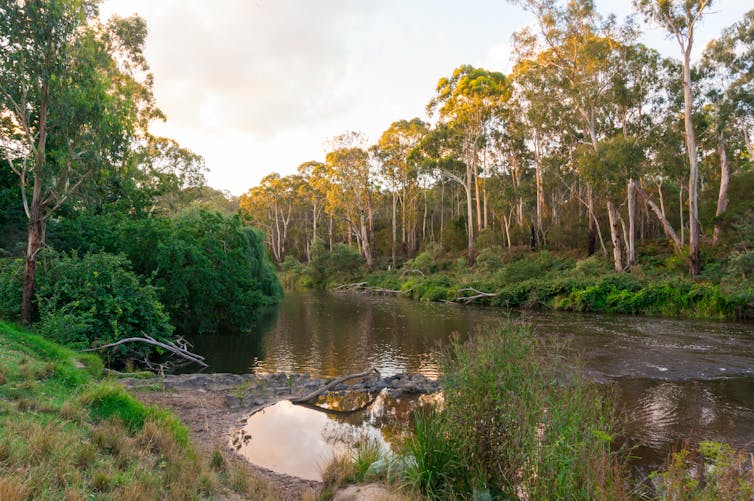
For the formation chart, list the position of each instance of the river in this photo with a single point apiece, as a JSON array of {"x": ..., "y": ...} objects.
[{"x": 673, "y": 379}]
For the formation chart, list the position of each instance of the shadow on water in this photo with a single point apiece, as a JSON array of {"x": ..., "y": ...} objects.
[{"x": 674, "y": 379}]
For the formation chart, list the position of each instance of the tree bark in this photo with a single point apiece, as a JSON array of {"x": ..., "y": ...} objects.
[
  {"x": 695, "y": 265},
  {"x": 722, "y": 196},
  {"x": 631, "y": 223},
  {"x": 669, "y": 231},
  {"x": 395, "y": 229},
  {"x": 470, "y": 217},
  {"x": 615, "y": 237}
]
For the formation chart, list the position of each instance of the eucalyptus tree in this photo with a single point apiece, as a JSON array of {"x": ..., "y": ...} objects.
[
  {"x": 469, "y": 104},
  {"x": 73, "y": 91},
  {"x": 400, "y": 172},
  {"x": 580, "y": 55},
  {"x": 314, "y": 189},
  {"x": 680, "y": 18},
  {"x": 351, "y": 179},
  {"x": 728, "y": 70}
]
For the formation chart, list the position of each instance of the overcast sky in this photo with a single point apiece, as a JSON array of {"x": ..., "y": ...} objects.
[{"x": 258, "y": 86}]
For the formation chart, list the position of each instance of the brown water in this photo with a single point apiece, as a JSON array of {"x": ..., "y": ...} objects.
[{"x": 674, "y": 379}]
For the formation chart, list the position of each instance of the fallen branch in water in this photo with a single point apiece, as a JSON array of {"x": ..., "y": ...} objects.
[
  {"x": 356, "y": 285},
  {"x": 171, "y": 347},
  {"x": 366, "y": 288},
  {"x": 307, "y": 399},
  {"x": 478, "y": 295}
]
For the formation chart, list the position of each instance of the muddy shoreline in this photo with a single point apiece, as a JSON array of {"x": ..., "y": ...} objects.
[{"x": 214, "y": 406}]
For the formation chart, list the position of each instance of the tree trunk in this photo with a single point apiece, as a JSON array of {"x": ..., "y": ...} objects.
[
  {"x": 631, "y": 223},
  {"x": 722, "y": 197},
  {"x": 36, "y": 237},
  {"x": 540, "y": 189},
  {"x": 615, "y": 237},
  {"x": 470, "y": 217},
  {"x": 365, "y": 241},
  {"x": 591, "y": 243},
  {"x": 478, "y": 199},
  {"x": 661, "y": 217},
  {"x": 395, "y": 228},
  {"x": 695, "y": 265}
]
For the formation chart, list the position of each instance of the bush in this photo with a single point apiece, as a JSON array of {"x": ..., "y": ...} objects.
[
  {"x": 96, "y": 299},
  {"x": 510, "y": 429},
  {"x": 211, "y": 272},
  {"x": 11, "y": 282}
]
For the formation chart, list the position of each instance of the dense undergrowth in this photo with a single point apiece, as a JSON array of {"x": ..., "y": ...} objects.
[
  {"x": 104, "y": 278},
  {"x": 553, "y": 280},
  {"x": 67, "y": 433}
]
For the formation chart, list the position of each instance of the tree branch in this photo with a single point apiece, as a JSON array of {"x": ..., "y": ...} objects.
[{"x": 311, "y": 396}]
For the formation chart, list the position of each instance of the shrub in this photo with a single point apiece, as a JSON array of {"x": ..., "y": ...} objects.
[
  {"x": 510, "y": 429},
  {"x": 96, "y": 299},
  {"x": 211, "y": 272},
  {"x": 11, "y": 281}
]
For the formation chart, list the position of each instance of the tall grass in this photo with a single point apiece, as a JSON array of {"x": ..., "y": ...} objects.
[{"x": 516, "y": 424}]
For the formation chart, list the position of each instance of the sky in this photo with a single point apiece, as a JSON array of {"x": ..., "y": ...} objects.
[{"x": 260, "y": 86}]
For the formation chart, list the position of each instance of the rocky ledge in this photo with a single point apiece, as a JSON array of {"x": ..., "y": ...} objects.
[{"x": 250, "y": 391}]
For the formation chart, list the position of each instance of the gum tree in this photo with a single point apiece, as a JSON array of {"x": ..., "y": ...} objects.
[{"x": 70, "y": 102}]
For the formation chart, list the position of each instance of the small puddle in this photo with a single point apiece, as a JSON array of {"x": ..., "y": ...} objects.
[{"x": 300, "y": 441}]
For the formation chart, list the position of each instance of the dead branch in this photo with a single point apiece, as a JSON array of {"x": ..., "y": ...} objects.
[
  {"x": 364, "y": 287},
  {"x": 467, "y": 299},
  {"x": 420, "y": 272},
  {"x": 185, "y": 354},
  {"x": 311, "y": 396},
  {"x": 356, "y": 285}
]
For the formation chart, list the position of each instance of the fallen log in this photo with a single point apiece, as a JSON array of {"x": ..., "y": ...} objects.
[
  {"x": 478, "y": 295},
  {"x": 307, "y": 399},
  {"x": 172, "y": 348},
  {"x": 356, "y": 285}
]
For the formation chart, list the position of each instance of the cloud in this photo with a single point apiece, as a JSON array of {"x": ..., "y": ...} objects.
[{"x": 259, "y": 66}]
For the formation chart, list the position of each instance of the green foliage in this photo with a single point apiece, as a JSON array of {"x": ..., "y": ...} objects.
[
  {"x": 713, "y": 471},
  {"x": 437, "y": 467},
  {"x": 328, "y": 268},
  {"x": 509, "y": 427},
  {"x": 211, "y": 272},
  {"x": 97, "y": 299},
  {"x": 11, "y": 281}
]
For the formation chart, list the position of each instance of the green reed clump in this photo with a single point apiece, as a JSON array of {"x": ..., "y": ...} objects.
[{"x": 516, "y": 424}]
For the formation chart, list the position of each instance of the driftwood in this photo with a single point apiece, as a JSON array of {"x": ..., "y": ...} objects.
[
  {"x": 366, "y": 288},
  {"x": 467, "y": 299},
  {"x": 171, "y": 347},
  {"x": 307, "y": 399},
  {"x": 336, "y": 412},
  {"x": 356, "y": 285}
]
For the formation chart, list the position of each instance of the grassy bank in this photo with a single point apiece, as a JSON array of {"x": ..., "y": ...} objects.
[
  {"x": 67, "y": 433},
  {"x": 556, "y": 281}
]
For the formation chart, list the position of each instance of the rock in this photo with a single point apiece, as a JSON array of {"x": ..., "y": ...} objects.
[
  {"x": 366, "y": 492},
  {"x": 233, "y": 401}
]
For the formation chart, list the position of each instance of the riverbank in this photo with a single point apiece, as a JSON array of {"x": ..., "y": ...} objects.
[
  {"x": 67, "y": 432},
  {"x": 556, "y": 281}
]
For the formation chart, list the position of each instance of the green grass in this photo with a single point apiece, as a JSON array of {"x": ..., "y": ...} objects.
[
  {"x": 65, "y": 433},
  {"x": 516, "y": 425}
]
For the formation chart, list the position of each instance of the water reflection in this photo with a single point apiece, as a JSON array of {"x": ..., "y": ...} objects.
[
  {"x": 299, "y": 441},
  {"x": 660, "y": 415},
  {"x": 674, "y": 378}
]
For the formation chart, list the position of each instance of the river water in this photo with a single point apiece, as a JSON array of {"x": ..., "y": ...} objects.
[{"x": 673, "y": 379}]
